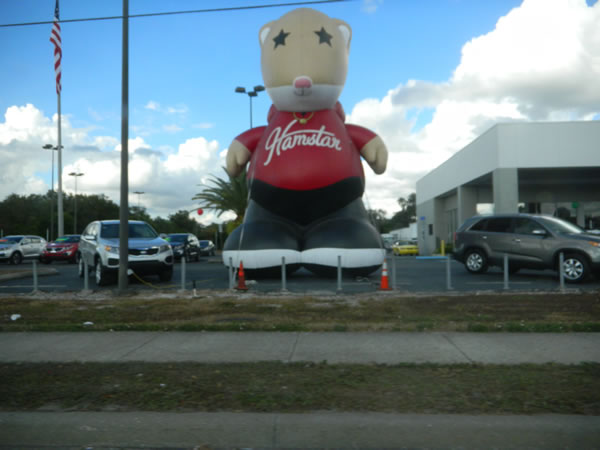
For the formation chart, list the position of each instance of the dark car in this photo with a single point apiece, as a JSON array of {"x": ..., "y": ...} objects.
[
  {"x": 530, "y": 241},
  {"x": 207, "y": 248},
  {"x": 64, "y": 248},
  {"x": 184, "y": 245}
]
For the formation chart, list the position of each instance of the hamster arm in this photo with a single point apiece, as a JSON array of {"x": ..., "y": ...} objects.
[
  {"x": 371, "y": 147},
  {"x": 240, "y": 150}
]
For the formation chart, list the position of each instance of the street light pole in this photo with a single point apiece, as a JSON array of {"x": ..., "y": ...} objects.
[
  {"x": 138, "y": 194},
  {"x": 76, "y": 175},
  {"x": 53, "y": 149},
  {"x": 252, "y": 93}
]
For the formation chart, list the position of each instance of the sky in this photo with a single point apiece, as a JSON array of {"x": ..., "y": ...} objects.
[{"x": 427, "y": 76}]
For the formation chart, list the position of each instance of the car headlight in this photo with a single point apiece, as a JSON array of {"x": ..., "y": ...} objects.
[
  {"x": 164, "y": 248},
  {"x": 111, "y": 249}
]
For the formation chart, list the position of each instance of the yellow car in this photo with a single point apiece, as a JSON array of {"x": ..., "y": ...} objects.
[{"x": 403, "y": 248}]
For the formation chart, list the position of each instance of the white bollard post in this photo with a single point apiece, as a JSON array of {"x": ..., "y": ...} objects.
[
  {"x": 86, "y": 276},
  {"x": 283, "y": 275},
  {"x": 393, "y": 271},
  {"x": 339, "y": 275},
  {"x": 561, "y": 270},
  {"x": 506, "y": 271},
  {"x": 448, "y": 275},
  {"x": 183, "y": 272},
  {"x": 35, "y": 276}
]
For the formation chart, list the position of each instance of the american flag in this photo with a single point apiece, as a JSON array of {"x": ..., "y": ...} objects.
[{"x": 55, "y": 39}]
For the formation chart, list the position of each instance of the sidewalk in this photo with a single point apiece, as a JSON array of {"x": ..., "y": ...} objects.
[
  {"x": 367, "y": 348},
  {"x": 368, "y": 430},
  {"x": 94, "y": 430}
]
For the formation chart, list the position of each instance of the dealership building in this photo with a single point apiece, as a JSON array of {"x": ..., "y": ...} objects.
[{"x": 544, "y": 167}]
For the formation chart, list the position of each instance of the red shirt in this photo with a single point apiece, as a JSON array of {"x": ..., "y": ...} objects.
[{"x": 299, "y": 156}]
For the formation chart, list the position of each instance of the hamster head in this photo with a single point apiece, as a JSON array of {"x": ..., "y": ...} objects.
[{"x": 304, "y": 60}]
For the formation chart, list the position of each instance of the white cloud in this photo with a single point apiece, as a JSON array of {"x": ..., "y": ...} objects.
[
  {"x": 172, "y": 128},
  {"x": 179, "y": 109},
  {"x": 370, "y": 6},
  {"x": 152, "y": 106},
  {"x": 169, "y": 178},
  {"x": 540, "y": 63}
]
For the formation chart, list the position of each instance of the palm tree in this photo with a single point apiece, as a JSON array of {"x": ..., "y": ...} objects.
[{"x": 226, "y": 195}]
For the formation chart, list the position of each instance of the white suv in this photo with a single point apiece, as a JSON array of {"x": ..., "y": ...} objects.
[
  {"x": 15, "y": 249},
  {"x": 148, "y": 253}
]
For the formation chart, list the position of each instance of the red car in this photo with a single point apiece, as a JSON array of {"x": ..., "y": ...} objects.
[{"x": 64, "y": 248}]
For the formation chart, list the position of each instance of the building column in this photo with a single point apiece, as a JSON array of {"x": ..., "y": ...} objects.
[
  {"x": 505, "y": 185},
  {"x": 467, "y": 203},
  {"x": 580, "y": 215}
]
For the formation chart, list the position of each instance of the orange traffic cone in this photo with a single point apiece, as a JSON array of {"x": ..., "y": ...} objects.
[
  {"x": 241, "y": 279},
  {"x": 384, "y": 286}
]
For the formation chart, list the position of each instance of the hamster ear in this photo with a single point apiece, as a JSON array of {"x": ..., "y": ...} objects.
[
  {"x": 264, "y": 31},
  {"x": 345, "y": 30}
]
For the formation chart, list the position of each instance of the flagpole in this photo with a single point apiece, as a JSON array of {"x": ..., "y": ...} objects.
[
  {"x": 56, "y": 40},
  {"x": 61, "y": 225}
]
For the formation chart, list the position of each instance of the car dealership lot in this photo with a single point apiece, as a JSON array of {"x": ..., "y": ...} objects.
[{"x": 406, "y": 274}]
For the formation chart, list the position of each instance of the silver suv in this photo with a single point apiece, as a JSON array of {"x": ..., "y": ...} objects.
[
  {"x": 148, "y": 253},
  {"x": 15, "y": 249},
  {"x": 530, "y": 241}
]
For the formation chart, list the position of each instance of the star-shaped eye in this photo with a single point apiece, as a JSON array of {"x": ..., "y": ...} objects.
[
  {"x": 324, "y": 36},
  {"x": 280, "y": 38}
]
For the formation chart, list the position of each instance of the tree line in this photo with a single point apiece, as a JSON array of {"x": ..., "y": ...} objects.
[{"x": 31, "y": 214}]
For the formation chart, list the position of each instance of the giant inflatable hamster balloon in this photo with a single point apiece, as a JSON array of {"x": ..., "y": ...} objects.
[{"x": 305, "y": 173}]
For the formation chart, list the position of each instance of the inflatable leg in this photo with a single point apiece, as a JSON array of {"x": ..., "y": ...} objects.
[
  {"x": 261, "y": 242},
  {"x": 346, "y": 233}
]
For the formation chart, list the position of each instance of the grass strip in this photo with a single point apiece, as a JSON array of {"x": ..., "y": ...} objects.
[
  {"x": 494, "y": 312},
  {"x": 301, "y": 387}
]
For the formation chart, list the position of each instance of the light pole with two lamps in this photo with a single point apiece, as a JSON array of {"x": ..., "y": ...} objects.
[
  {"x": 53, "y": 149},
  {"x": 252, "y": 93},
  {"x": 76, "y": 175}
]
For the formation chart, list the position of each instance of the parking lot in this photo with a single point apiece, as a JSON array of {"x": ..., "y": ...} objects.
[{"x": 405, "y": 274}]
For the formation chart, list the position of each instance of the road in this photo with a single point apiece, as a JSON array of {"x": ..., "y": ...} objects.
[{"x": 406, "y": 274}]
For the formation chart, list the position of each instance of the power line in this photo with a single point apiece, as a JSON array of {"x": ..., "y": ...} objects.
[{"x": 172, "y": 13}]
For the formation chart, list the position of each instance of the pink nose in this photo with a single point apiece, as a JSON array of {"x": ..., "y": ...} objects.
[{"x": 302, "y": 82}]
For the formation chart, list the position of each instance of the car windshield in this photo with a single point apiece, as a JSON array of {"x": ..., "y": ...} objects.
[
  {"x": 176, "y": 238},
  {"x": 11, "y": 239},
  {"x": 204, "y": 243},
  {"x": 560, "y": 226},
  {"x": 67, "y": 239},
  {"x": 136, "y": 230}
]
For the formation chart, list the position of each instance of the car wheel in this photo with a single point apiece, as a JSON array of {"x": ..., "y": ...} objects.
[
  {"x": 197, "y": 256},
  {"x": 101, "y": 274},
  {"x": 166, "y": 274},
  {"x": 575, "y": 268},
  {"x": 476, "y": 261},
  {"x": 16, "y": 258}
]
